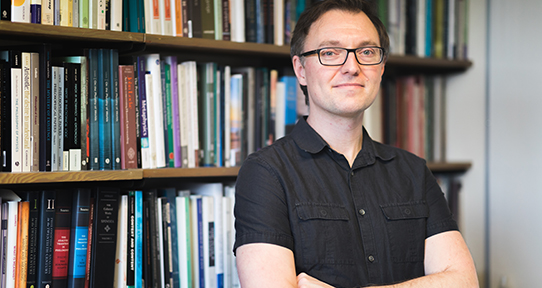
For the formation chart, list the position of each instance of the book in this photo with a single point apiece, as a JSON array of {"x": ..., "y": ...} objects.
[
  {"x": 167, "y": 111},
  {"x": 236, "y": 119},
  {"x": 33, "y": 198},
  {"x": 206, "y": 113},
  {"x": 155, "y": 102},
  {"x": 170, "y": 222},
  {"x": 196, "y": 232},
  {"x": 122, "y": 243},
  {"x": 25, "y": 126},
  {"x": 175, "y": 108},
  {"x": 115, "y": 15},
  {"x": 207, "y": 19},
  {"x": 94, "y": 111},
  {"x": 79, "y": 238},
  {"x": 72, "y": 110},
  {"x": 35, "y": 111},
  {"x": 151, "y": 254},
  {"x": 20, "y": 11},
  {"x": 143, "y": 112},
  {"x": 16, "y": 111},
  {"x": 104, "y": 237},
  {"x": 182, "y": 203},
  {"x": 104, "y": 109},
  {"x": 5, "y": 10},
  {"x": 115, "y": 110},
  {"x": 135, "y": 244},
  {"x": 166, "y": 245},
  {"x": 46, "y": 238},
  {"x": 4, "y": 238},
  {"x": 127, "y": 118},
  {"x": 92, "y": 208},
  {"x": 61, "y": 256},
  {"x": 5, "y": 109},
  {"x": 22, "y": 243},
  {"x": 11, "y": 244}
]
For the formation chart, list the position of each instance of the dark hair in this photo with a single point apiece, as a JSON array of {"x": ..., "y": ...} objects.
[{"x": 315, "y": 11}]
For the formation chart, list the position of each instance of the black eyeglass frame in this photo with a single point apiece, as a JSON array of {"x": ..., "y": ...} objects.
[{"x": 353, "y": 50}]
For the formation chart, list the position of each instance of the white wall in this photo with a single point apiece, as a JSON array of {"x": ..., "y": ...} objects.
[
  {"x": 515, "y": 142},
  {"x": 466, "y": 118}
]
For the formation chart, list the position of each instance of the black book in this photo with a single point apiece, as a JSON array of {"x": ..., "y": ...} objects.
[
  {"x": 5, "y": 114},
  {"x": 45, "y": 108},
  {"x": 79, "y": 238},
  {"x": 63, "y": 222},
  {"x": 250, "y": 21},
  {"x": 104, "y": 237},
  {"x": 5, "y": 11},
  {"x": 72, "y": 114},
  {"x": 33, "y": 197},
  {"x": 130, "y": 259},
  {"x": 150, "y": 240},
  {"x": 46, "y": 238},
  {"x": 166, "y": 242},
  {"x": 194, "y": 15}
]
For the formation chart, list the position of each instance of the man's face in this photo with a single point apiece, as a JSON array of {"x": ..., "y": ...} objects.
[{"x": 345, "y": 90}]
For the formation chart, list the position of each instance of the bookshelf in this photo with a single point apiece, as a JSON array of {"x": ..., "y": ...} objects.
[{"x": 194, "y": 49}]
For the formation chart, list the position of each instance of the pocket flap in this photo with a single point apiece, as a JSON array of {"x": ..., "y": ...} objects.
[
  {"x": 307, "y": 211},
  {"x": 408, "y": 210}
]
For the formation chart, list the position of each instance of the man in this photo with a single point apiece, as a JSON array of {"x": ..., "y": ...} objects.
[{"x": 325, "y": 206}]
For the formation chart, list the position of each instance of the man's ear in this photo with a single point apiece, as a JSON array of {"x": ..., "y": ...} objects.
[{"x": 299, "y": 70}]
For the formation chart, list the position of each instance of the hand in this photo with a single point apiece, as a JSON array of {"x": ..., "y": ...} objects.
[{"x": 306, "y": 281}]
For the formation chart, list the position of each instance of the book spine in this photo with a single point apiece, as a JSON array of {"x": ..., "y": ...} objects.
[
  {"x": 79, "y": 238},
  {"x": 83, "y": 13},
  {"x": 169, "y": 131},
  {"x": 131, "y": 244},
  {"x": 143, "y": 112},
  {"x": 94, "y": 111},
  {"x": 46, "y": 232},
  {"x": 35, "y": 11},
  {"x": 84, "y": 139},
  {"x": 115, "y": 110},
  {"x": 62, "y": 231},
  {"x": 33, "y": 198},
  {"x": 68, "y": 112},
  {"x": 4, "y": 236},
  {"x": 207, "y": 19},
  {"x": 106, "y": 114},
  {"x": 45, "y": 108},
  {"x": 195, "y": 19},
  {"x": 5, "y": 120},
  {"x": 47, "y": 12},
  {"x": 226, "y": 20},
  {"x": 26, "y": 156},
  {"x": 121, "y": 257},
  {"x": 153, "y": 66},
  {"x": 104, "y": 237},
  {"x": 16, "y": 112},
  {"x": 138, "y": 273},
  {"x": 5, "y": 9},
  {"x": 35, "y": 110},
  {"x": 172, "y": 61},
  {"x": 60, "y": 120},
  {"x": 90, "y": 239},
  {"x": 20, "y": 11},
  {"x": 11, "y": 244},
  {"x": 167, "y": 242},
  {"x": 22, "y": 243}
]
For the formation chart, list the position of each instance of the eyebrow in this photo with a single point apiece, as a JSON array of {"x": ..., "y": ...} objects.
[{"x": 335, "y": 43}]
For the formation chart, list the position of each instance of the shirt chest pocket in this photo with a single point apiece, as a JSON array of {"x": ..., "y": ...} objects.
[
  {"x": 406, "y": 227},
  {"x": 320, "y": 225}
]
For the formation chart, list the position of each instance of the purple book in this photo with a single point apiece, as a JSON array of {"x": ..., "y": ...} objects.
[{"x": 172, "y": 61}]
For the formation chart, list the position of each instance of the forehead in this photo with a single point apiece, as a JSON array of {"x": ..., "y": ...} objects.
[{"x": 342, "y": 28}]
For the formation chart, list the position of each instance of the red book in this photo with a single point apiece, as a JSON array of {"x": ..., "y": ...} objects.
[
  {"x": 61, "y": 244},
  {"x": 128, "y": 148}
]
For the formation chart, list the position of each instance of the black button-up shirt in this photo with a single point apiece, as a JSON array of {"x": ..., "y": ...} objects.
[{"x": 347, "y": 226}]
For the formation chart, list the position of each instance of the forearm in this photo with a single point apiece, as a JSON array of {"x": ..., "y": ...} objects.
[{"x": 452, "y": 279}]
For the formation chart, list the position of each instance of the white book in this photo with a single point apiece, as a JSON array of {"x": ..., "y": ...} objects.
[
  {"x": 150, "y": 120},
  {"x": 148, "y": 5},
  {"x": 47, "y": 8},
  {"x": 229, "y": 226},
  {"x": 153, "y": 66},
  {"x": 93, "y": 14},
  {"x": 191, "y": 91},
  {"x": 165, "y": 17},
  {"x": 209, "y": 253},
  {"x": 421, "y": 27},
  {"x": 11, "y": 244},
  {"x": 100, "y": 14},
  {"x": 122, "y": 244},
  {"x": 451, "y": 26},
  {"x": 278, "y": 22},
  {"x": 26, "y": 112},
  {"x": 372, "y": 119},
  {"x": 237, "y": 28},
  {"x": 184, "y": 117},
  {"x": 75, "y": 13},
  {"x": 182, "y": 204},
  {"x": 35, "y": 108},
  {"x": 16, "y": 114},
  {"x": 160, "y": 240},
  {"x": 216, "y": 191},
  {"x": 173, "y": 4},
  {"x": 227, "y": 114},
  {"x": 156, "y": 23},
  {"x": 116, "y": 15},
  {"x": 56, "y": 12},
  {"x": 20, "y": 11}
]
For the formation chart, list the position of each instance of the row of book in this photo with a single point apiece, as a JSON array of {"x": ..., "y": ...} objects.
[
  {"x": 98, "y": 112},
  {"x": 426, "y": 28},
  {"x": 105, "y": 237},
  {"x": 410, "y": 113},
  {"x": 261, "y": 21}
]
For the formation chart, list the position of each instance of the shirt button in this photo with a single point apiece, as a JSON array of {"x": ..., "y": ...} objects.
[
  {"x": 352, "y": 173},
  {"x": 371, "y": 258},
  {"x": 361, "y": 212}
]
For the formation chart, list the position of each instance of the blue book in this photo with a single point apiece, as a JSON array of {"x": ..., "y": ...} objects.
[
  {"x": 115, "y": 109},
  {"x": 79, "y": 238},
  {"x": 429, "y": 28},
  {"x": 291, "y": 102},
  {"x": 46, "y": 238},
  {"x": 94, "y": 111},
  {"x": 104, "y": 118},
  {"x": 196, "y": 203},
  {"x": 143, "y": 123},
  {"x": 135, "y": 240}
]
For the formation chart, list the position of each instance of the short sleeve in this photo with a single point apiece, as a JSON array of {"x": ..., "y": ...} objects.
[
  {"x": 440, "y": 218},
  {"x": 261, "y": 212}
]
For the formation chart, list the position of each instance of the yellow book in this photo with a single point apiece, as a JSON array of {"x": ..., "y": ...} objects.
[{"x": 22, "y": 244}]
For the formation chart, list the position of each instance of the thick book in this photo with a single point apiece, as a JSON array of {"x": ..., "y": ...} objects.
[
  {"x": 63, "y": 218},
  {"x": 26, "y": 110},
  {"x": 143, "y": 112},
  {"x": 167, "y": 243},
  {"x": 104, "y": 237},
  {"x": 153, "y": 66},
  {"x": 20, "y": 11},
  {"x": 5, "y": 10},
  {"x": 46, "y": 238},
  {"x": 194, "y": 18},
  {"x": 206, "y": 97},
  {"x": 128, "y": 127},
  {"x": 79, "y": 238},
  {"x": 33, "y": 198}
]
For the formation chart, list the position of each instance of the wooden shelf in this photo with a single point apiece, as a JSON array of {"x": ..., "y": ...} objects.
[
  {"x": 128, "y": 42},
  {"x": 190, "y": 172},
  {"x": 452, "y": 167}
]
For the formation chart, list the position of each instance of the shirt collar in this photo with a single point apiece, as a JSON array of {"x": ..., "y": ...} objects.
[{"x": 310, "y": 141}]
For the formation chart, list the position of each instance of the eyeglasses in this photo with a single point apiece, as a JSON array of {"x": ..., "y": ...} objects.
[{"x": 336, "y": 56}]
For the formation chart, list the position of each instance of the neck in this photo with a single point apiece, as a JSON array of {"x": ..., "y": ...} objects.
[{"x": 344, "y": 135}]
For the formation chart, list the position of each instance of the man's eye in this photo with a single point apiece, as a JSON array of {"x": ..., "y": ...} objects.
[
  {"x": 329, "y": 52},
  {"x": 367, "y": 52}
]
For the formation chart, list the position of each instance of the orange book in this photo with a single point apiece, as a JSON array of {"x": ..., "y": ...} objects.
[{"x": 22, "y": 244}]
